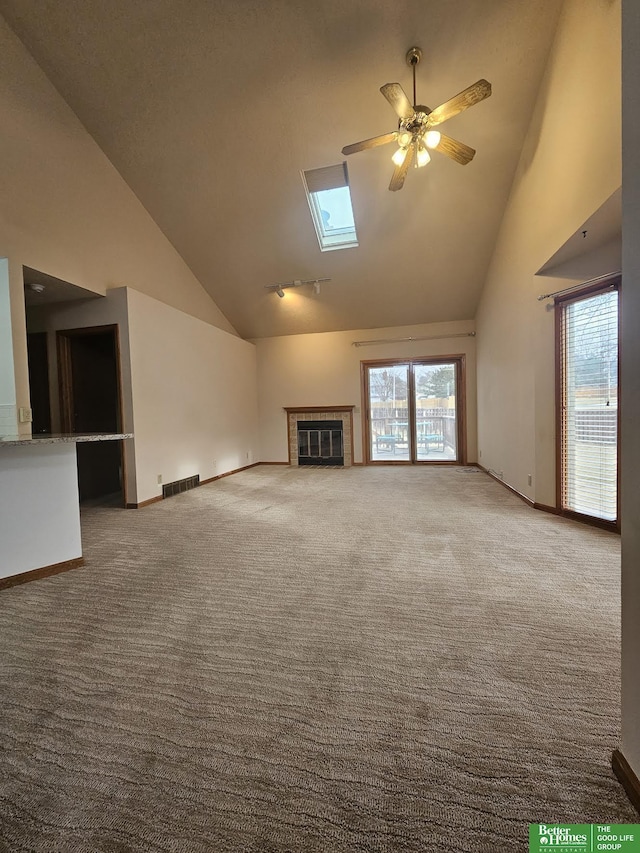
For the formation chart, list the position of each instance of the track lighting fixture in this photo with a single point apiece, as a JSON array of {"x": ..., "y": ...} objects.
[{"x": 280, "y": 288}]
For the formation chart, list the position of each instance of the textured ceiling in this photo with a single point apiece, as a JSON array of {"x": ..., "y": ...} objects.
[{"x": 210, "y": 110}]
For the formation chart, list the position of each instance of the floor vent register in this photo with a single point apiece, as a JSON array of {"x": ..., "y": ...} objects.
[{"x": 178, "y": 486}]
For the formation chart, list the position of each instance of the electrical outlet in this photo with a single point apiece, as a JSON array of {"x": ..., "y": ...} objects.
[
  {"x": 215, "y": 466},
  {"x": 529, "y": 479},
  {"x": 479, "y": 454},
  {"x": 502, "y": 475},
  {"x": 159, "y": 479}
]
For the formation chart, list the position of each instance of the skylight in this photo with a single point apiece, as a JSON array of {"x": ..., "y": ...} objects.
[{"x": 330, "y": 205}]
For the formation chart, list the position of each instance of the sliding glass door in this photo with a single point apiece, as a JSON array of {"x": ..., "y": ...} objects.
[
  {"x": 388, "y": 411},
  {"x": 435, "y": 397},
  {"x": 412, "y": 410},
  {"x": 588, "y": 412}
]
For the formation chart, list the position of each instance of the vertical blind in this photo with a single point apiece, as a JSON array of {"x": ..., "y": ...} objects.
[{"x": 589, "y": 404}]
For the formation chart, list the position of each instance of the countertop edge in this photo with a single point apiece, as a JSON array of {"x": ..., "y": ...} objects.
[{"x": 62, "y": 438}]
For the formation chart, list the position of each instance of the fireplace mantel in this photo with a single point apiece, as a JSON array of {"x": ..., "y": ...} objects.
[
  {"x": 313, "y": 413},
  {"x": 317, "y": 409}
]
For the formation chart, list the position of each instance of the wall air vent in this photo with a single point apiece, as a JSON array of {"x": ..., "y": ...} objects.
[{"x": 178, "y": 486}]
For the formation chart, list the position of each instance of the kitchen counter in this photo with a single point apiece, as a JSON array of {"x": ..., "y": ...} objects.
[{"x": 61, "y": 438}]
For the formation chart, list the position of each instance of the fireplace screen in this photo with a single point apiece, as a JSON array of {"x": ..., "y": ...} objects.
[{"x": 320, "y": 443}]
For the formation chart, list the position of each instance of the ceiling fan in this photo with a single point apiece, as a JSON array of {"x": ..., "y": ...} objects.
[{"x": 415, "y": 134}]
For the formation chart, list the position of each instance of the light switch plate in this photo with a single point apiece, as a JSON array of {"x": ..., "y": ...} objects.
[{"x": 25, "y": 415}]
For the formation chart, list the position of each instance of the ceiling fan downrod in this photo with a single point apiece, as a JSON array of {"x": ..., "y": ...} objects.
[{"x": 414, "y": 55}]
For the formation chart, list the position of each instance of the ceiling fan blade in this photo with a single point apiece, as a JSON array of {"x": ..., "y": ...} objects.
[
  {"x": 462, "y": 101},
  {"x": 370, "y": 143},
  {"x": 400, "y": 172},
  {"x": 396, "y": 96},
  {"x": 458, "y": 151}
]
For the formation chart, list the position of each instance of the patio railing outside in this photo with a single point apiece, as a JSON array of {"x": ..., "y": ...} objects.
[{"x": 435, "y": 432}]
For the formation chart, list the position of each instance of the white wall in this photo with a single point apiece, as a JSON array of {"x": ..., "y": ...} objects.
[
  {"x": 13, "y": 352},
  {"x": 631, "y": 388},
  {"x": 39, "y": 513},
  {"x": 324, "y": 369},
  {"x": 194, "y": 390},
  {"x": 64, "y": 210},
  {"x": 570, "y": 166}
]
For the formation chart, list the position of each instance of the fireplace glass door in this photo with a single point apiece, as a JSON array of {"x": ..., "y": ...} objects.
[{"x": 320, "y": 443}]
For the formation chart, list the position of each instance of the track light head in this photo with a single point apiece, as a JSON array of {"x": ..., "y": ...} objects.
[{"x": 280, "y": 292}]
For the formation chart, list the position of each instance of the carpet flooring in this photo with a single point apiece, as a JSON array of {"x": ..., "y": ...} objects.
[{"x": 365, "y": 659}]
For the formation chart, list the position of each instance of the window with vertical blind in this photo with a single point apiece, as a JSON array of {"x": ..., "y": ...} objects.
[{"x": 588, "y": 342}]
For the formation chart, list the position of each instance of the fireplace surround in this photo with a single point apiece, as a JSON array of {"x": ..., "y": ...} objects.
[{"x": 320, "y": 413}]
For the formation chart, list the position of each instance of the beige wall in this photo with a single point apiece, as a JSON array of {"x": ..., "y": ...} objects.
[
  {"x": 570, "y": 166},
  {"x": 64, "y": 210},
  {"x": 631, "y": 388},
  {"x": 324, "y": 370},
  {"x": 195, "y": 394}
]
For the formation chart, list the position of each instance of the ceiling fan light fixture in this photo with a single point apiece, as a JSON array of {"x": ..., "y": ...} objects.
[
  {"x": 432, "y": 138},
  {"x": 399, "y": 155},
  {"x": 414, "y": 122},
  {"x": 422, "y": 157}
]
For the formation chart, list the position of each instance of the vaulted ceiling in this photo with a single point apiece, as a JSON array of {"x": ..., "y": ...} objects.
[{"x": 211, "y": 109}]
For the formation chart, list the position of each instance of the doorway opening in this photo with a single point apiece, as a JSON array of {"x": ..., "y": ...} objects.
[
  {"x": 91, "y": 402},
  {"x": 414, "y": 410}
]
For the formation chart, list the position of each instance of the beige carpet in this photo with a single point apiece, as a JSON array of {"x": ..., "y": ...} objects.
[{"x": 366, "y": 659}]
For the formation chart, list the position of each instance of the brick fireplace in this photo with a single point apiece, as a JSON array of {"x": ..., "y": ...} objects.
[{"x": 301, "y": 414}]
